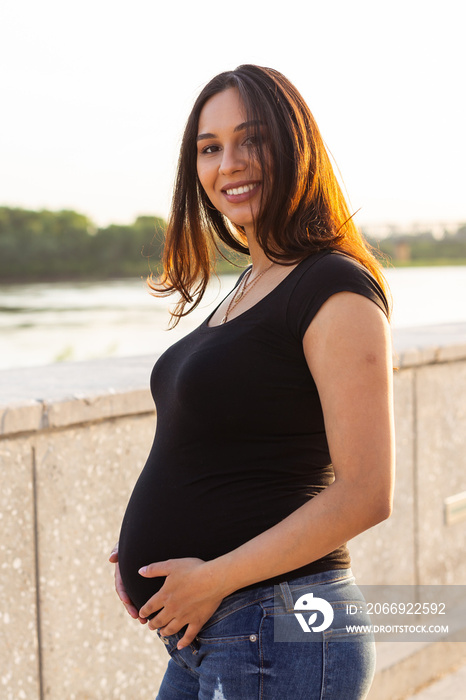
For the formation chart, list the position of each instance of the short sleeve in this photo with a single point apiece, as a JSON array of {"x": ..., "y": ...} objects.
[{"x": 322, "y": 276}]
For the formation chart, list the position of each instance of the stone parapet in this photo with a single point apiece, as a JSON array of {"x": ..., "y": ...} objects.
[
  {"x": 73, "y": 439},
  {"x": 56, "y": 396}
]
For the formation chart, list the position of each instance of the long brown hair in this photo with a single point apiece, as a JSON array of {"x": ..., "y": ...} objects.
[{"x": 303, "y": 209}]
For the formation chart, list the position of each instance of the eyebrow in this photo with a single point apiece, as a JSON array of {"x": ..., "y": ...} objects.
[{"x": 240, "y": 127}]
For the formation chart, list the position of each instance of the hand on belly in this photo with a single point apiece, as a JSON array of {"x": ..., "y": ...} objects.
[{"x": 189, "y": 596}]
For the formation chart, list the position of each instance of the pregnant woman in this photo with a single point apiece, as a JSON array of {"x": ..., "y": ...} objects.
[{"x": 274, "y": 439}]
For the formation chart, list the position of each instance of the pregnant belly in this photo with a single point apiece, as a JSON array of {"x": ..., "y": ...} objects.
[
  {"x": 172, "y": 526},
  {"x": 173, "y": 514},
  {"x": 136, "y": 549},
  {"x": 168, "y": 526}
]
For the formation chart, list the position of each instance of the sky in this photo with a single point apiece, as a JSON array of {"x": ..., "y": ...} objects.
[{"x": 95, "y": 95}]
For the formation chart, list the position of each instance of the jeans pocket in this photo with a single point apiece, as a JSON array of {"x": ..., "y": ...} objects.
[
  {"x": 238, "y": 625},
  {"x": 348, "y": 664}
]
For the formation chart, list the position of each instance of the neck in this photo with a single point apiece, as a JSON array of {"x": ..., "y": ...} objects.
[{"x": 259, "y": 259}]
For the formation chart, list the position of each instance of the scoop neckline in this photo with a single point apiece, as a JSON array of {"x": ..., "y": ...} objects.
[{"x": 205, "y": 324}]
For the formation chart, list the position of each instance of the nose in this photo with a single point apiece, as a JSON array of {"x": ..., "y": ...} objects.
[{"x": 232, "y": 161}]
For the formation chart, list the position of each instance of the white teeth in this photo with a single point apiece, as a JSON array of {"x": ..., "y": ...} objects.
[{"x": 241, "y": 190}]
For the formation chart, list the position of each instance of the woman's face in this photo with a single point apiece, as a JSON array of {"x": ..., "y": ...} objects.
[{"x": 227, "y": 165}]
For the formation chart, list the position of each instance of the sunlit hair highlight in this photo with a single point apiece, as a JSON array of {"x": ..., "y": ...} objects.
[{"x": 302, "y": 211}]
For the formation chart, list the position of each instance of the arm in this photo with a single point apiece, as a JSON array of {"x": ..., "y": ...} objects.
[{"x": 348, "y": 350}]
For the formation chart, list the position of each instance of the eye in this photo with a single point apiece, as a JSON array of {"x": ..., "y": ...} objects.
[
  {"x": 210, "y": 149},
  {"x": 251, "y": 140}
]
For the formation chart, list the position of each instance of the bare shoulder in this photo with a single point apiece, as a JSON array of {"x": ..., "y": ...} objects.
[{"x": 347, "y": 327}]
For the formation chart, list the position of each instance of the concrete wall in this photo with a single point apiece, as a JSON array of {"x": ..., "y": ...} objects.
[
  {"x": 73, "y": 439},
  {"x": 416, "y": 546}
]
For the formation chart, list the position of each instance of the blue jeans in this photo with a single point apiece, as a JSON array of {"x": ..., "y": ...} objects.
[{"x": 254, "y": 648}]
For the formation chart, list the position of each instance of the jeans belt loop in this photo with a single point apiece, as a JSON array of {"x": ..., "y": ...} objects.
[{"x": 287, "y": 597}]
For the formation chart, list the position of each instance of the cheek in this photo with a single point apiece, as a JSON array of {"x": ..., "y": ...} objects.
[
  {"x": 201, "y": 174},
  {"x": 206, "y": 178}
]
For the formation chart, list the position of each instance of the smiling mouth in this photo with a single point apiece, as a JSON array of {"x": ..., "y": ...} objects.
[{"x": 241, "y": 190}]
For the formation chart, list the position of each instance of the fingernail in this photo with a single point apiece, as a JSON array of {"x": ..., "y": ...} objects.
[
  {"x": 142, "y": 570},
  {"x": 180, "y": 646}
]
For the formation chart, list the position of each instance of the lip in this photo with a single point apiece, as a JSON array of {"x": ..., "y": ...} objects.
[{"x": 238, "y": 198}]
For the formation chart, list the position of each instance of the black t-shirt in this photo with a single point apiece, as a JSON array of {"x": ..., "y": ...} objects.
[{"x": 240, "y": 440}]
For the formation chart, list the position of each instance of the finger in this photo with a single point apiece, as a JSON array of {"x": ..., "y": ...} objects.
[
  {"x": 132, "y": 610},
  {"x": 160, "y": 621},
  {"x": 120, "y": 589},
  {"x": 114, "y": 554},
  {"x": 171, "y": 628},
  {"x": 122, "y": 594},
  {"x": 153, "y": 605},
  {"x": 158, "y": 568},
  {"x": 188, "y": 637}
]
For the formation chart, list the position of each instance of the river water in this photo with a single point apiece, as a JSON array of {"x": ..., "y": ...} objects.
[{"x": 56, "y": 322}]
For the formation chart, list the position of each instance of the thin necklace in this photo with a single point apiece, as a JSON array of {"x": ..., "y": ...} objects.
[{"x": 244, "y": 287}]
